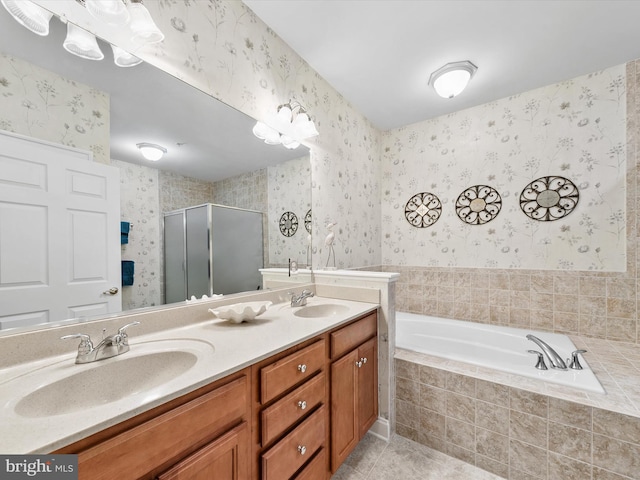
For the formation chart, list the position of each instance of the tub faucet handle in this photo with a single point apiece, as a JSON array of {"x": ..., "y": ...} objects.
[
  {"x": 540, "y": 365},
  {"x": 575, "y": 361}
]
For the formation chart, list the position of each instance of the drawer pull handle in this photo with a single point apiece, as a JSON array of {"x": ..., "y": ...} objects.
[
  {"x": 359, "y": 364},
  {"x": 302, "y": 368},
  {"x": 302, "y": 449},
  {"x": 302, "y": 404}
]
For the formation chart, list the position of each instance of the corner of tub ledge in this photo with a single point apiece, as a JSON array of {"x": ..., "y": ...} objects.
[{"x": 358, "y": 274}]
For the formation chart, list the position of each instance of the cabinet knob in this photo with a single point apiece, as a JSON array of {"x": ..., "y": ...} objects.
[
  {"x": 363, "y": 360},
  {"x": 359, "y": 364},
  {"x": 302, "y": 404},
  {"x": 302, "y": 368},
  {"x": 302, "y": 449}
]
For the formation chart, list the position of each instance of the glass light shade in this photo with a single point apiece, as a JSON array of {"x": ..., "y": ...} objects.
[
  {"x": 123, "y": 58},
  {"x": 144, "y": 29},
  {"x": 82, "y": 43},
  {"x": 304, "y": 127},
  {"x": 282, "y": 120},
  {"x": 151, "y": 151},
  {"x": 451, "y": 79},
  {"x": 452, "y": 83},
  {"x": 29, "y": 15},
  {"x": 289, "y": 142},
  {"x": 266, "y": 133},
  {"x": 113, "y": 12}
]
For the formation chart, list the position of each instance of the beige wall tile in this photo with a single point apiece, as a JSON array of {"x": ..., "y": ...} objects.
[
  {"x": 564, "y": 468},
  {"x": 616, "y": 456},
  {"x": 462, "y": 384},
  {"x": 528, "y": 428},
  {"x": 570, "y": 441},
  {"x": 492, "y": 445},
  {"x": 433, "y": 398},
  {"x": 492, "y": 392},
  {"x": 529, "y": 402},
  {"x": 460, "y": 433},
  {"x": 528, "y": 459},
  {"x": 570, "y": 413},
  {"x": 461, "y": 407},
  {"x": 492, "y": 417},
  {"x": 433, "y": 376},
  {"x": 616, "y": 425}
]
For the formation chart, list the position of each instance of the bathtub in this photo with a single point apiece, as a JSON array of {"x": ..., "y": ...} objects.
[{"x": 492, "y": 346}]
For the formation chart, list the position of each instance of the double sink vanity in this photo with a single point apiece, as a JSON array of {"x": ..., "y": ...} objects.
[{"x": 287, "y": 394}]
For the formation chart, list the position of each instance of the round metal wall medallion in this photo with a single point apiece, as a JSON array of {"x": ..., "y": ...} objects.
[
  {"x": 423, "y": 210},
  {"x": 288, "y": 224},
  {"x": 307, "y": 221},
  {"x": 478, "y": 204},
  {"x": 549, "y": 198}
]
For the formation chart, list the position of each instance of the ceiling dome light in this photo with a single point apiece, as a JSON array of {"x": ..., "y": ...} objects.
[
  {"x": 29, "y": 15},
  {"x": 151, "y": 151},
  {"x": 82, "y": 43},
  {"x": 451, "y": 79}
]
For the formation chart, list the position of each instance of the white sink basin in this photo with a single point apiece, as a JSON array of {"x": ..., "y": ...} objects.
[
  {"x": 65, "y": 388},
  {"x": 321, "y": 310}
]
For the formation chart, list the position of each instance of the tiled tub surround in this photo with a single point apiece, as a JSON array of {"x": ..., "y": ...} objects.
[{"x": 524, "y": 429}]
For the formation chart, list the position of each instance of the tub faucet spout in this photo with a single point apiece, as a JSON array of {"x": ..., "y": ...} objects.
[{"x": 554, "y": 359}]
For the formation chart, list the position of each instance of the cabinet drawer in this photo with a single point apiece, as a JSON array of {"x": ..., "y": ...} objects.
[
  {"x": 292, "y": 369},
  {"x": 287, "y": 456},
  {"x": 351, "y": 336},
  {"x": 168, "y": 437},
  {"x": 317, "y": 468},
  {"x": 285, "y": 412}
]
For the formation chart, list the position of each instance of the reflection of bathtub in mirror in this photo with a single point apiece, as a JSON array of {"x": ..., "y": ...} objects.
[{"x": 90, "y": 116}]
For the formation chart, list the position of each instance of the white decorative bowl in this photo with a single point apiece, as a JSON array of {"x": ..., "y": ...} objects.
[{"x": 239, "y": 312}]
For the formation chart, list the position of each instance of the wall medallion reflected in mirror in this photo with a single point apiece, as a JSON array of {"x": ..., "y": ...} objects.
[
  {"x": 307, "y": 221},
  {"x": 549, "y": 198},
  {"x": 423, "y": 210},
  {"x": 478, "y": 205},
  {"x": 288, "y": 224}
]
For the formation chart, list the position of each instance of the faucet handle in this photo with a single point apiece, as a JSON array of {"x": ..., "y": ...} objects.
[
  {"x": 575, "y": 361},
  {"x": 122, "y": 332},
  {"x": 540, "y": 365},
  {"x": 85, "y": 342}
]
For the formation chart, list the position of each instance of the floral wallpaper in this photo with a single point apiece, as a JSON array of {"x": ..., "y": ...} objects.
[
  {"x": 574, "y": 129},
  {"x": 139, "y": 205},
  {"x": 38, "y": 103},
  {"x": 288, "y": 190},
  {"x": 223, "y": 48}
]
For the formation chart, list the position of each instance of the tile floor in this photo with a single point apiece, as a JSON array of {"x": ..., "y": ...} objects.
[{"x": 404, "y": 459}]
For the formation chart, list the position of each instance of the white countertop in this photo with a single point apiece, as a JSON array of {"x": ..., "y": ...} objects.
[{"x": 223, "y": 348}]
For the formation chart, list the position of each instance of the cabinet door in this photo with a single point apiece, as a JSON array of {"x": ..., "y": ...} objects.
[
  {"x": 345, "y": 431},
  {"x": 226, "y": 458},
  {"x": 367, "y": 386}
]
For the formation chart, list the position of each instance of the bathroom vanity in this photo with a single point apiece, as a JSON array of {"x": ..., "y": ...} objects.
[{"x": 294, "y": 409}]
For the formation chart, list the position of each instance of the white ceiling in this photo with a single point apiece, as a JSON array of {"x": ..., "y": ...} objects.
[{"x": 379, "y": 53}]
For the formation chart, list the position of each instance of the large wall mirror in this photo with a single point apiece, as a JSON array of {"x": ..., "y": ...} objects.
[{"x": 212, "y": 156}]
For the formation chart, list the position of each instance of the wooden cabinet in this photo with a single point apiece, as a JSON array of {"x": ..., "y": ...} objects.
[
  {"x": 291, "y": 413},
  {"x": 293, "y": 416},
  {"x": 188, "y": 438},
  {"x": 223, "y": 459},
  {"x": 354, "y": 386}
]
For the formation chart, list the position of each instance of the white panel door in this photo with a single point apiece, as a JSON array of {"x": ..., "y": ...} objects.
[{"x": 59, "y": 233}]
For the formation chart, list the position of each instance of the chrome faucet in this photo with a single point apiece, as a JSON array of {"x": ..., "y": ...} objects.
[
  {"x": 554, "y": 359},
  {"x": 300, "y": 300},
  {"x": 110, "y": 346}
]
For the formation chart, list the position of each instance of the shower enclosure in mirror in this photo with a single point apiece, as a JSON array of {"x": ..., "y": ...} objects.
[{"x": 212, "y": 156}]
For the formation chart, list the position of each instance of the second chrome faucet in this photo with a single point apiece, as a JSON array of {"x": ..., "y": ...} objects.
[{"x": 555, "y": 360}]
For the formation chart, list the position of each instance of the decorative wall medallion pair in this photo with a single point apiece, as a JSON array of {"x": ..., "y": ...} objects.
[
  {"x": 289, "y": 223},
  {"x": 545, "y": 199}
]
